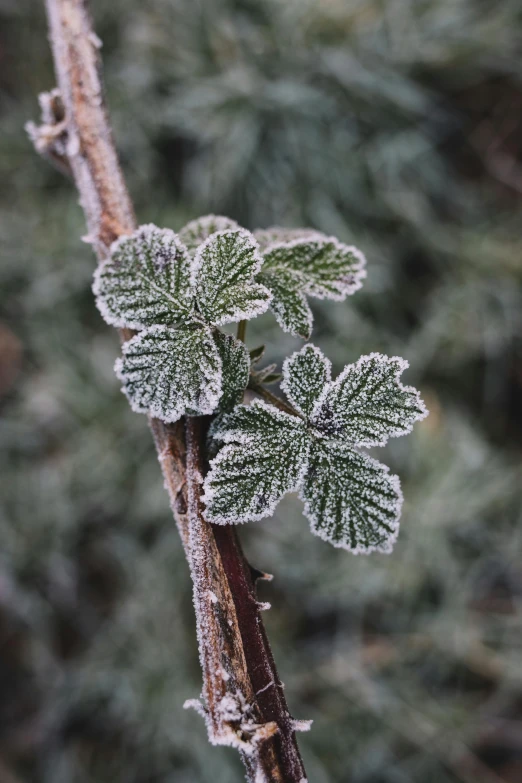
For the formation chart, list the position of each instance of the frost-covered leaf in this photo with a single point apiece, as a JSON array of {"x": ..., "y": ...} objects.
[
  {"x": 268, "y": 236},
  {"x": 224, "y": 268},
  {"x": 367, "y": 403},
  {"x": 235, "y": 369},
  {"x": 305, "y": 375},
  {"x": 171, "y": 372},
  {"x": 145, "y": 281},
  {"x": 194, "y": 233},
  {"x": 264, "y": 457},
  {"x": 351, "y": 500},
  {"x": 289, "y": 303},
  {"x": 330, "y": 269}
]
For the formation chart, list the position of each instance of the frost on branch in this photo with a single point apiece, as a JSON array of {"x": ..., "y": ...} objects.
[
  {"x": 180, "y": 364},
  {"x": 306, "y": 262},
  {"x": 264, "y": 457},
  {"x": 145, "y": 281},
  {"x": 350, "y": 499},
  {"x": 223, "y": 268},
  {"x": 194, "y": 233},
  {"x": 171, "y": 372}
]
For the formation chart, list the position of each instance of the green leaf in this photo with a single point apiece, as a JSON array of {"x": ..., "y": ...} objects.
[
  {"x": 351, "y": 500},
  {"x": 224, "y": 268},
  {"x": 256, "y": 354},
  {"x": 368, "y": 404},
  {"x": 274, "y": 235},
  {"x": 305, "y": 375},
  {"x": 194, "y": 233},
  {"x": 236, "y": 369},
  {"x": 289, "y": 303},
  {"x": 145, "y": 281},
  {"x": 171, "y": 372},
  {"x": 330, "y": 269},
  {"x": 265, "y": 455}
]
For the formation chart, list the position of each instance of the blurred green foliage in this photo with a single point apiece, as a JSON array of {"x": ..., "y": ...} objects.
[{"x": 396, "y": 126}]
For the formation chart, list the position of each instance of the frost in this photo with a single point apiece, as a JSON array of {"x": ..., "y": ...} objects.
[
  {"x": 195, "y": 704},
  {"x": 305, "y": 374},
  {"x": 266, "y": 687},
  {"x": 180, "y": 364},
  {"x": 265, "y": 457},
  {"x": 230, "y": 709},
  {"x": 269, "y": 236},
  {"x": 145, "y": 281},
  {"x": 289, "y": 304},
  {"x": 331, "y": 269},
  {"x": 303, "y": 262},
  {"x": 194, "y": 233},
  {"x": 222, "y": 273},
  {"x": 171, "y": 372},
  {"x": 236, "y": 369},
  {"x": 302, "y": 725},
  {"x": 368, "y": 404},
  {"x": 351, "y": 500},
  {"x": 213, "y": 597}
]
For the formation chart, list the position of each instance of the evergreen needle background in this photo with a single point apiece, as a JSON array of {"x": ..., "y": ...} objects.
[{"x": 397, "y": 127}]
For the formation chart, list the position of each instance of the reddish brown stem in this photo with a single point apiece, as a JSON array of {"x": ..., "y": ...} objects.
[{"x": 239, "y": 708}]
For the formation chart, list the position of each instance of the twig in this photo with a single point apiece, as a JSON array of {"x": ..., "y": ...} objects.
[
  {"x": 241, "y": 331},
  {"x": 273, "y": 399},
  {"x": 235, "y": 656}
]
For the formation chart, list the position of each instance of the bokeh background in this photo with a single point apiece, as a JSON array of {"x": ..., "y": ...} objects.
[{"x": 396, "y": 126}]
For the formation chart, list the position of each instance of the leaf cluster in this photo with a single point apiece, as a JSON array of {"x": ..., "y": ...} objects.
[
  {"x": 176, "y": 290},
  {"x": 351, "y": 499}
]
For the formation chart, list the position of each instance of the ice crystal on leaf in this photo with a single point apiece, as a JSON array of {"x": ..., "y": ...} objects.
[
  {"x": 146, "y": 280},
  {"x": 265, "y": 457},
  {"x": 194, "y": 233},
  {"x": 236, "y": 368},
  {"x": 222, "y": 273},
  {"x": 351, "y": 500},
  {"x": 300, "y": 263},
  {"x": 180, "y": 363},
  {"x": 171, "y": 372},
  {"x": 305, "y": 375},
  {"x": 367, "y": 404}
]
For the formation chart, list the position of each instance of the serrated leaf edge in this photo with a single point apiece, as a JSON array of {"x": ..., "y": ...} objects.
[
  {"x": 387, "y": 546},
  {"x": 287, "y": 374},
  {"x": 154, "y": 411},
  {"x": 401, "y": 366},
  {"x": 359, "y": 271},
  {"x": 197, "y": 260},
  {"x": 122, "y": 323}
]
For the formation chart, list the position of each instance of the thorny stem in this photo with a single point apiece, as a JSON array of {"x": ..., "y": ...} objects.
[
  {"x": 241, "y": 331},
  {"x": 244, "y": 704}
]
